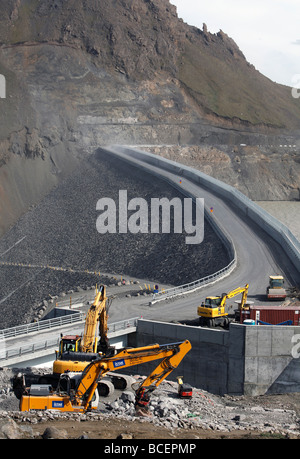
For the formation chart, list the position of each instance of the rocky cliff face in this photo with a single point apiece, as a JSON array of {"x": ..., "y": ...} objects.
[
  {"x": 137, "y": 37},
  {"x": 84, "y": 74}
]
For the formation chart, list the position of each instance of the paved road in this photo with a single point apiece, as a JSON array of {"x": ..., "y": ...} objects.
[{"x": 258, "y": 257}]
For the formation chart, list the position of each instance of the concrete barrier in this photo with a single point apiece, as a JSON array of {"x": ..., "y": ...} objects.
[
  {"x": 245, "y": 360},
  {"x": 218, "y": 228},
  {"x": 271, "y": 225}
]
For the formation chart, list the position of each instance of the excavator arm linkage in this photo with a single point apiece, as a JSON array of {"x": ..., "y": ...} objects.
[
  {"x": 172, "y": 354},
  {"x": 97, "y": 313},
  {"x": 79, "y": 400}
]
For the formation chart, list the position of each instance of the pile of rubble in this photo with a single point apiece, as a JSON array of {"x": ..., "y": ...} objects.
[
  {"x": 167, "y": 410},
  {"x": 206, "y": 411}
]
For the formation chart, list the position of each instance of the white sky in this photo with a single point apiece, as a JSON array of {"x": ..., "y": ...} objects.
[{"x": 266, "y": 31}]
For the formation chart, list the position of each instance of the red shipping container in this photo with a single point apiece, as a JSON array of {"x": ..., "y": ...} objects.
[{"x": 273, "y": 315}]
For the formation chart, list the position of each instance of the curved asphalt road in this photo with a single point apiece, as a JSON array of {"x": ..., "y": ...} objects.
[{"x": 258, "y": 256}]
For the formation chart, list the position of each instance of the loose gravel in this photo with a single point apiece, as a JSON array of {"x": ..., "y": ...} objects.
[{"x": 203, "y": 412}]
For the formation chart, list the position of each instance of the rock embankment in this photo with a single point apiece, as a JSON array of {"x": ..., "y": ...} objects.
[{"x": 61, "y": 232}]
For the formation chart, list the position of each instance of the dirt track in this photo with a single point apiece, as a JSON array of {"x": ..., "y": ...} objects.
[
  {"x": 114, "y": 428},
  {"x": 141, "y": 430}
]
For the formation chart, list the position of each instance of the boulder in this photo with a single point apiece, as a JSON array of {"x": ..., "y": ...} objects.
[
  {"x": 128, "y": 396},
  {"x": 54, "y": 433},
  {"x": 10, "y": 430}
]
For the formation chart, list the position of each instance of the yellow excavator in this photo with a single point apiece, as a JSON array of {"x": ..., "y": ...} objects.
[
  {"x": 83, "y": 396},
  {"x": 76, "y": 352},
  {"x": 213, "y": 311}
]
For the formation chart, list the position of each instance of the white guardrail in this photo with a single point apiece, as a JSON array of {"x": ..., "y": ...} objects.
[
  {"x": 41, "y": 325},
  {"x": 271, "y": 225},
  {"x": 192, "y": 286},
  {"x": 31, "y": 348}
]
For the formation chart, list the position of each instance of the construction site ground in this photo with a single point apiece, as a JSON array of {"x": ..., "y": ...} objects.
[
  {"x": 143, "y": 429},
  {"x": 204, "y": 416},
  {"x": 114, "y": 428},
  {"x": 137, "y": 430}
]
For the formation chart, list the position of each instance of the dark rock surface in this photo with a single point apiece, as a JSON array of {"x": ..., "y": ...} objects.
[
  {"x": 86, "y": 74},
  {"x": 61, "y": 232}
]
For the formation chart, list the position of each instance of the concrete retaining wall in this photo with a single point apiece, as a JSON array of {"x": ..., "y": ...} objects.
[
  {"x": 272, "y": 363},
  {"x": 250, "y": 360},
  {"x": 246, "y": 360}
]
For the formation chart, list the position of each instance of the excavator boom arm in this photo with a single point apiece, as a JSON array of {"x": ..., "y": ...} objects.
[
  {"x": 96, "y": 313},
  {"x": 237, "y": 291},
  {"x": 80, "y": 399},
  {"x": 165, "y": 367},
  {"x": 172, "y": 354}
]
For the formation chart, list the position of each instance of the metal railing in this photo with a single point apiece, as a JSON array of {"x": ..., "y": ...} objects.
[
  {"x": 50, "y": 344},
  {"x": 192, "y": 286},
  {"x": 123, "y": 324},
  {"x": 6, "y": 354},
  {"x": 41, "y": 325}
]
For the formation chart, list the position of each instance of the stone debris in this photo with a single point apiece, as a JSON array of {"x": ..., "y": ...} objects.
[
  {"x": 54, "y": 433},
  {"x": 166, "y": 409}
]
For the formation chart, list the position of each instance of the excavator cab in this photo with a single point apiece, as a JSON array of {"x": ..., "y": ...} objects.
[
  {"x": 69, "y": 343},
  {"x": 213, "y": 301},
  {"x": 276, "y": 281},
  {"x": 212, "y": 309}
]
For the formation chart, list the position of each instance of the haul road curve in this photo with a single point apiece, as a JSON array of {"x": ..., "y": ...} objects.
[
  {"x": 258, "y": 255},
  {"x": 61, "y": 231},
  {"x": 50, "y": 248}
]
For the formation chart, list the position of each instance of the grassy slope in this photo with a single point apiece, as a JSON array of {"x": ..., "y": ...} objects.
[{"x": 231, "y": 88}]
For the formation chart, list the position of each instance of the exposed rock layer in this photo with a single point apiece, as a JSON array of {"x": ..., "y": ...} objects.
[{"x": 84, "y": 74}]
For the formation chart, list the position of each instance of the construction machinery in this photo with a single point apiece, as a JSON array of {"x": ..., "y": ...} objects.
[
  {"x": 212, "y": 311},
  {"x": 83, "y": 396},
  {"x": 275, "y": 289},
  {"x": 184, "y": 390},
  {"x": 76, "y": 351}
]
